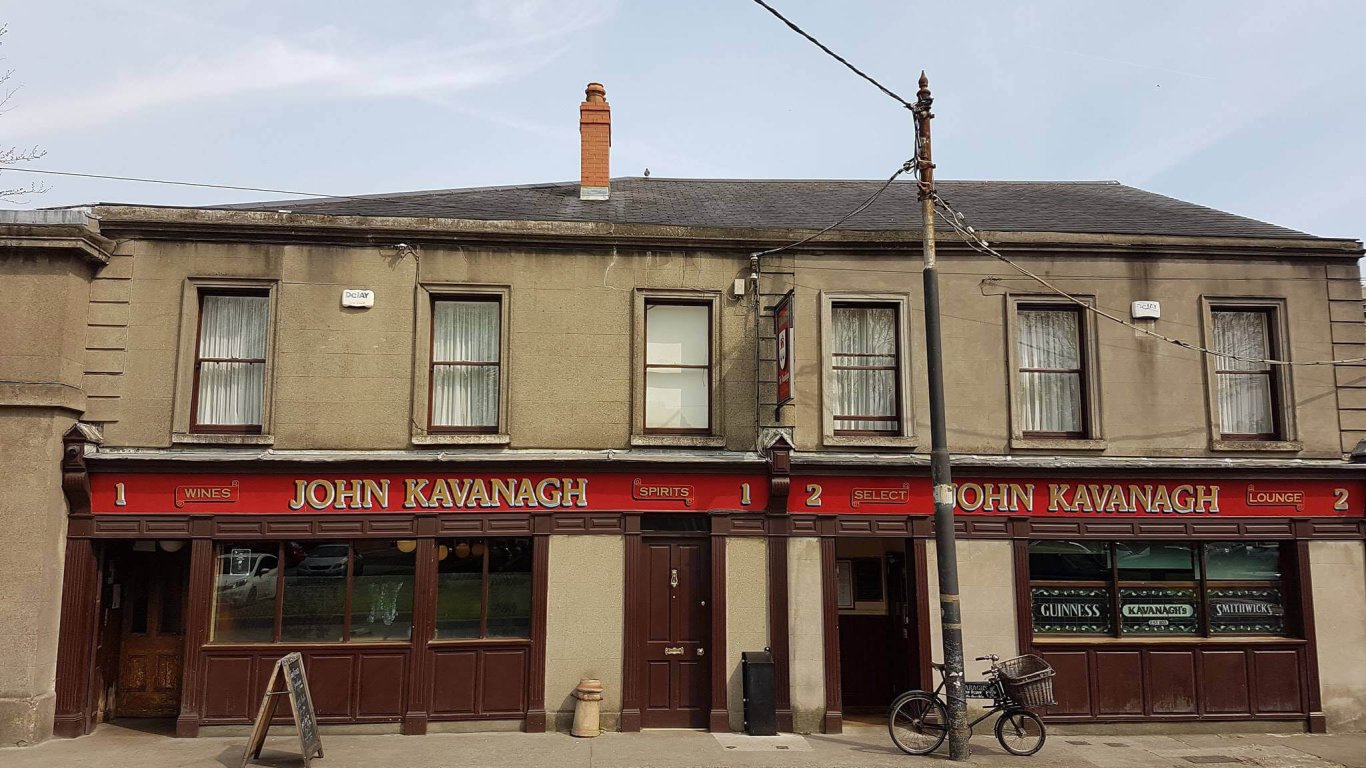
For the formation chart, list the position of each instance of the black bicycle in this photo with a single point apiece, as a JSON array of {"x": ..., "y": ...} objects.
[{"x": 918, "y": 720}]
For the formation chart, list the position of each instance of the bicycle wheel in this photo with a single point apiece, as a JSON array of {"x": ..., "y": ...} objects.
[
  {"x": 917, "y": 722},
  {"x": 1020, "y": 732}
]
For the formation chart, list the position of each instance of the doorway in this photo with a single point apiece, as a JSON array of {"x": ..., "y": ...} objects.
[
  {"x": 676, "y": 656},
  {"x": 142, "y": 638},
  {"x": 879, "y": 637}
]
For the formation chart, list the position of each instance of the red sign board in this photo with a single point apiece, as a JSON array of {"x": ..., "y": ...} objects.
[
  {"x": 1082, "y": 498},
  {"x": 427, "y": 492},
  {"x": 338, "y": 493},
  {"x": 782, "y": 334}
]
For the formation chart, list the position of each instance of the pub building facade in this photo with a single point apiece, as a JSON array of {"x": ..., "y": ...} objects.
[{"x": 461, "y": 449}]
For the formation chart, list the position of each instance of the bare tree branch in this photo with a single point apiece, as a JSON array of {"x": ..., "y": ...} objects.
[{"x": 11, "y": 156}]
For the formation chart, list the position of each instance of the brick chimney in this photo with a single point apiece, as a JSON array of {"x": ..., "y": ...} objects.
[{"x": 595, "y": 136}]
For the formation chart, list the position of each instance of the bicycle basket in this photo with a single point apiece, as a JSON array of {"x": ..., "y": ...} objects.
[{"x": 1027, "y": 681}]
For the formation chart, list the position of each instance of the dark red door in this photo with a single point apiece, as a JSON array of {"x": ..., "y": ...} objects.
[{"x": 678, "y": 626}]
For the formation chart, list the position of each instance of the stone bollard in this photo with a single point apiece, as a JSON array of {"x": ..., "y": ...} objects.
[{"x": 587, "y": 708}]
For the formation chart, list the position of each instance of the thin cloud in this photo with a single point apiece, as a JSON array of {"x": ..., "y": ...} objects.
[{"x": 320, "y": 65}]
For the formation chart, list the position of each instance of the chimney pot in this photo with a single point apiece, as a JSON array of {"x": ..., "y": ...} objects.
[{"x": 595, "y": 137}]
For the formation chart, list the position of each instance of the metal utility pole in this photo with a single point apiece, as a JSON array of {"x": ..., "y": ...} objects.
[{"x": 945, "y": 548}]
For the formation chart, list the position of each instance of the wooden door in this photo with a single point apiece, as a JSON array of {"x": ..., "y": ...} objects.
[
  {"x": 678, "y": 629},
  {"x": 904, "y": 635},
  {"x": 153, "y": 636}
]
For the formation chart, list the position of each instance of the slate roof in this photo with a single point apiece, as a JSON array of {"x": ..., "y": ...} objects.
[{"x": 1095, "y": 207}]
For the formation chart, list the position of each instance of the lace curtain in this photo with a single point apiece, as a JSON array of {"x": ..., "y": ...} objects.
[
  {"x": 1244, "y": 387},
  {"x": 864, "y": 367},
  {"x": 1049, "y": 353},
  {"x": 232, "y": 367},
  {"x": 465, "y": 365}
]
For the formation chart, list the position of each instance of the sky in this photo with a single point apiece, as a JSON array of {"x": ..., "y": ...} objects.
[{"x": 1251, "y": 107}]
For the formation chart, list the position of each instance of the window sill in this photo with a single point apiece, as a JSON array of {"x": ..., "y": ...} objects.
[
  {"x": 1173, "y": 640},
  {"x": 197, "y": 438},
  {"x": 678, "y": 441},
  {"x": 1272, "y": 446},
  {"x": 1056, "y": 444},
  {"x": 909, "y": 442},
  {"x": 461, "y": 438}
]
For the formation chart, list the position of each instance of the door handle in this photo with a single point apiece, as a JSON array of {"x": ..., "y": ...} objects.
[
  {"x": 701, "y": 651},
  {"x": 673, "y": 578}
]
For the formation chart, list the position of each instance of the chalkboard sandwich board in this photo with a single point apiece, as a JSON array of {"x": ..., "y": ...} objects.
[{"x": 287, "y": 679}]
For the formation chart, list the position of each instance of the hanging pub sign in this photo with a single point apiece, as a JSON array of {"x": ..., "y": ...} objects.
[{"x": 782, "y": 335}]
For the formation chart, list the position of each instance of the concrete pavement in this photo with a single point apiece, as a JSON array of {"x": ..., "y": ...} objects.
[{"x": 121, "y": 746}]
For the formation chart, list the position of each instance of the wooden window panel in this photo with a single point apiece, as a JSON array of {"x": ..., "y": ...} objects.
[
  {"x": 443, "y": 368},
  {"x": 869, "y": 361}
]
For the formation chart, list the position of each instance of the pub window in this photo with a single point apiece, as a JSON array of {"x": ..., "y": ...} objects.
[
  {"x": 866, "y": 369},
  {"x": 1052, "y": 377},
  {"x": 230, "y": 363},
  {"x": 678, "y": 360},
  {"x": 483, "y": 589},
  {"x": 1246, "y": 385},
  {"x": 312, "y": 592},
  {"x": 1157, "y": 588},
  {"x": 466, "y": 366}
]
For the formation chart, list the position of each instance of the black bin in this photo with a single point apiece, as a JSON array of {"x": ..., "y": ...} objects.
[{"x": 761, "y": 710}]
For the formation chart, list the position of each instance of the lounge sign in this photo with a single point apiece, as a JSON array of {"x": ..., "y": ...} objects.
[{"x": 1083, "y": 498}]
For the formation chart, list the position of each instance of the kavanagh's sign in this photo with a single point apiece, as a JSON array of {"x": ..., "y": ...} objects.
[
  {"x": 145, "y": 493},
  {"x": 261, "y": 493}
]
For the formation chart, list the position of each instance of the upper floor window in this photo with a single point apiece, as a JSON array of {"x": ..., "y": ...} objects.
[
  {"x": 230, "y": 362},
  {"x": 1052, "y": 373},
  {"x": 866, "y": 369},
  {"x": 678, "y": 360},
  {"x": 1246, "y": 385},
  {"x": 466, "y": 365}
]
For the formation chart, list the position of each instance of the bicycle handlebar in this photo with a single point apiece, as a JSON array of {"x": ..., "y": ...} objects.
[{"x": 993, "y": 657}]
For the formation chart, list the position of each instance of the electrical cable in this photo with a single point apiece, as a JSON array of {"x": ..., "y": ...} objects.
[
  {"x": 835, "y": 56},
  {"x": 206, "y": 185},
  {"x": 980, "y": 244},
  {"x": 906, "y": 167}
]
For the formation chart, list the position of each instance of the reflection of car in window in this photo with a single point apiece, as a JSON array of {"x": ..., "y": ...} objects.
[
  {"x": 240, "y": 586},
  {"x": 328, "y": 561}
]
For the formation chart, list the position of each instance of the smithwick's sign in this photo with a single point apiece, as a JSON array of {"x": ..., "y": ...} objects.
[{"x": 185, "y": 493}]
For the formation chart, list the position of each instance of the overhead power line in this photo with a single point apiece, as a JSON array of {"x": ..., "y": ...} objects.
[
  {"x": 204, "y": 185},
  {"x": 980, "y": 244},
  {"x": 835, "y": 56},
  {"x": 906, "y": 167}
]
